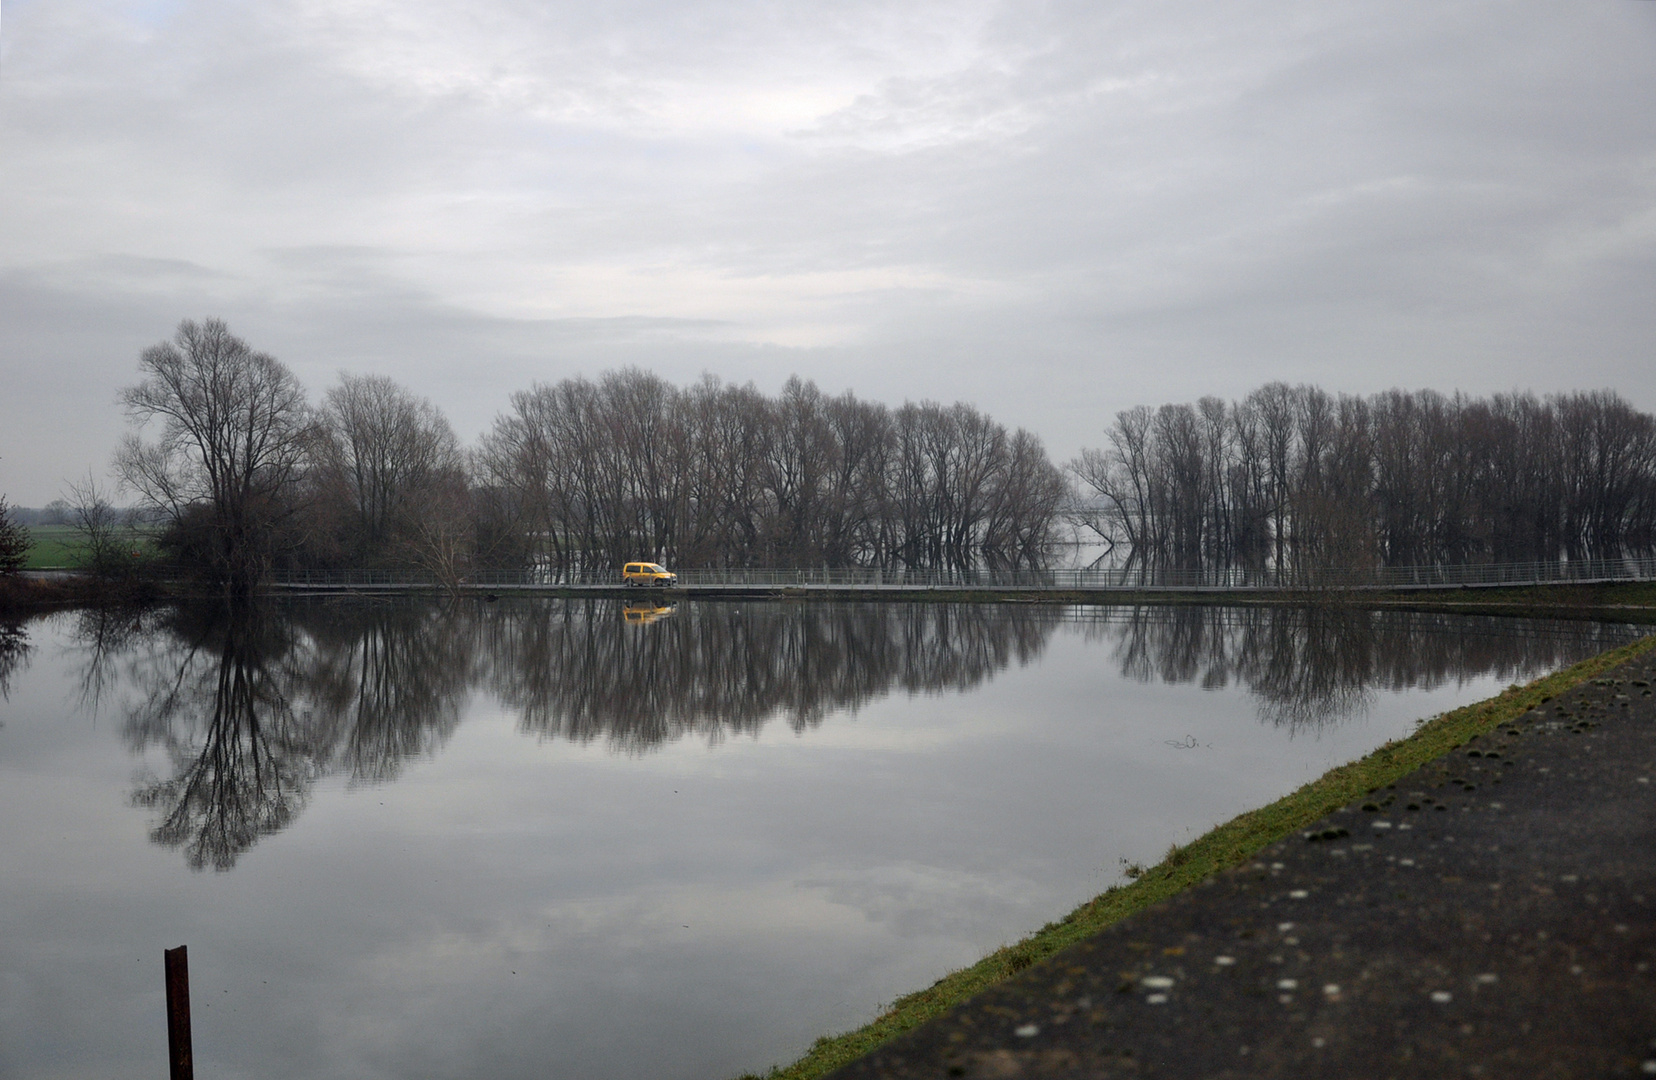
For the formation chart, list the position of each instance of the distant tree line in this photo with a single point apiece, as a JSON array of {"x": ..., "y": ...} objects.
[
  {"x": 1293, "y": 479},
  {"x": 246, "y": 475}
]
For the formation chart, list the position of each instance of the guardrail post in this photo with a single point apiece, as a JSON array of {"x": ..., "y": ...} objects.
[{"x": 179, "y": 1054}]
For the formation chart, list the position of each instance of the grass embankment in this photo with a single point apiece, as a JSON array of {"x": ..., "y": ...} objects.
[
  {"x": 1634, "y": 601},
  {"x": 1231, "y": 844}
]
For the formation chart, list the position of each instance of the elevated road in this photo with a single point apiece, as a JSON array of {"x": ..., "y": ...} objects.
[{"x": 877, "y": 581}]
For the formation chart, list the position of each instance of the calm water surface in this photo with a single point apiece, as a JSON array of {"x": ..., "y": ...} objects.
[{"x": 573, "y": 839}]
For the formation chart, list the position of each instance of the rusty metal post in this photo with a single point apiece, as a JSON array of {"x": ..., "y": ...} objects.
[{"x": 178, "y": 1014}]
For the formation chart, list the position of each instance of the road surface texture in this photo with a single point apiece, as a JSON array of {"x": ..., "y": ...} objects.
[{"x": 1492, "y": 915}]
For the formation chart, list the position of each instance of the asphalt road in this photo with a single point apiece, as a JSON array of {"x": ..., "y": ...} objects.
[{"x": 1492, "y": 915}]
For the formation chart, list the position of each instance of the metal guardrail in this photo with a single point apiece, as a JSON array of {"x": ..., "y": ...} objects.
[{"x": 1642, "y": 568}]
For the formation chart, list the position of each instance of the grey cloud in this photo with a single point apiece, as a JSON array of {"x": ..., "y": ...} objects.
[{"x": 1057, "y": 211}]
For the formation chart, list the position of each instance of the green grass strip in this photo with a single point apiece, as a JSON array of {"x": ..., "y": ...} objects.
[
  {"x": 1229, "y": 845},
  {"x": 63, "y": 547}
]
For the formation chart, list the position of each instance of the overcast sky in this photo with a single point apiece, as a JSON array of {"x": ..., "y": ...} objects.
[{"x": 1051, "y": 210}]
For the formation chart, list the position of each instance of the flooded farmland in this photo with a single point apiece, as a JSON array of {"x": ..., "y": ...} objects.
[{"x": 593, "y": 839}]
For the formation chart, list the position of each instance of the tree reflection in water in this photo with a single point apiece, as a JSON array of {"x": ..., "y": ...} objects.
[
  {"x": 251, "y": 706},
  {"x": 1309, "y": 667},
  {"x": 387, "y": 682},
  {"x": 14, "y": 651},
  {"x": 577, "y": 671},
  {"x": 220, "y": 705}
]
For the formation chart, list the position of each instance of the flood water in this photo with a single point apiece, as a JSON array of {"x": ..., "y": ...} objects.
[{"x": 578, "y": 839}]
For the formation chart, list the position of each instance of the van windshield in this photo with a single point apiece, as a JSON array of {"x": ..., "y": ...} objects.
[{"x": 655, "y": 568}]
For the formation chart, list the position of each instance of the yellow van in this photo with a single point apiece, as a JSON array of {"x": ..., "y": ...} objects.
[{"x": 646, "y": 574}]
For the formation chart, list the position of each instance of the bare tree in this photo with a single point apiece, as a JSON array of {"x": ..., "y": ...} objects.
[
  {"x": 1024, "y": 506},
  {"x": 439, "y": 536},
  {"x": 232, "y": 438},
  {"x": 1120, "y": 477},
  {"x": 382, "y": 454},
  {"x": 104, "y": 530}
]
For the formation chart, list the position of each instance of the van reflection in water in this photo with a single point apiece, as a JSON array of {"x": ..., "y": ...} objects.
[{"x": 643, "y": 612}]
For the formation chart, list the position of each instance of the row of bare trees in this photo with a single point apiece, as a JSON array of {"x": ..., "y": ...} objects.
[
  {"x": 247, "y": 475},
  {"x": 1293, "y": 479},
  {"x": 716, "y": 475}
]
